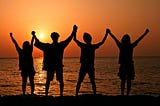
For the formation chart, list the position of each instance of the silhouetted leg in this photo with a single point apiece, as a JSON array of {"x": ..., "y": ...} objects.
[
  {"x": 122, "y": 86},
  {"x": 50, "y": 75},
  {"x": 94, "y": 87},
  {"x": 47, "y": 87},
  {"x": 128, "y": 86},
  {"x": 92, "y": 79},
  {"x": 59, "y": 75},
  {"x": 24, "y": 81},
  {"x": 78, "y": 87},
  {"x": 61, "y": 88},
  {"x": 31, "y": 79},
  {"x": 80, "y": 80}
]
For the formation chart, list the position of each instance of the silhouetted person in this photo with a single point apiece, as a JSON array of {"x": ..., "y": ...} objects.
[
  {"x": 87, "y": 59},
  {"x": 53, "y": 57},
  {"x": 26, "y": 63},
  {"x": 126, "y": 69}
]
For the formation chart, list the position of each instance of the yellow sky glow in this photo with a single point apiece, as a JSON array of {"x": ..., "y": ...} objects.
[{"x": 46, "y": 16}]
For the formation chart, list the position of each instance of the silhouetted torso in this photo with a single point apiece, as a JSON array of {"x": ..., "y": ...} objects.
[
  {"x": 88, "y": 53},
  {"x": 25, "y": 59},
  {"x": 126, "y": 53},
  {"x": 53, "y": 53}
]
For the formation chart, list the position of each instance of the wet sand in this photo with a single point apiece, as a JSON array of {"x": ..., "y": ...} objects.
[{"x": 82, "y": 100}]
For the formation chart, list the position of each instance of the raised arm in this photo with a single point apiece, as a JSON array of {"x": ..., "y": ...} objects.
[
  {"x": 142, "y": 36},
  {"x": 32, "y": 40},
  {"x": 77, "y": 41},
  {"x": 72, "y": 34},
  {"x": 114, "y": 38},
  {"x": 34, "y": 35},
  {"x": 104, "y": 38},
  {"x": 75, "y": 37},
  {"x": 15, "y": 42},
  {"x": 40, "y": 45}
]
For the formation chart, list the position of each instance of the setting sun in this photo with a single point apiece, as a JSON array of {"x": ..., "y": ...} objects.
[{"x": 41, "y": 36}]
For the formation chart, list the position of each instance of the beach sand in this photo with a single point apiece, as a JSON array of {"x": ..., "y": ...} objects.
[{"x": 82, "y": 100}]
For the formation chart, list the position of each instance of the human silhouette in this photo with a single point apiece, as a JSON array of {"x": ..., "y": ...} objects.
[
  {"x": 87, "y": 59},
  {"x": 126, "y": 68},
  {"x": 26, "y": 64},
  {"x": 53, "y": 57}
]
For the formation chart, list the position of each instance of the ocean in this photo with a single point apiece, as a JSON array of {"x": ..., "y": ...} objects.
[{"x": 146, "y": 82}]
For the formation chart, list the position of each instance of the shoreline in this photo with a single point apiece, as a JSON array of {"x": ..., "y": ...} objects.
[{"x": 86, "y": 99}]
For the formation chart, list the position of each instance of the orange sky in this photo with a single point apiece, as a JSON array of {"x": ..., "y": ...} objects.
[{"x": 93, "y": 16}]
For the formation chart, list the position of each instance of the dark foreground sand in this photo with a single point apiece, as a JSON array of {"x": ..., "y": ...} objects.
[{"x": 82, "y": 100}]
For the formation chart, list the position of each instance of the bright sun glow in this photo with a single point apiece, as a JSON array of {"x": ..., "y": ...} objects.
[{"x": 41, "y": 36}]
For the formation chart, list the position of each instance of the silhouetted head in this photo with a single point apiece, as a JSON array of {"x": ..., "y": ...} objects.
[
  {"x": 26, "y": 45},
  {"x": 126, "y": 39},
  {"x": 87, "y": 38},
  {"x": 54, "y": 36}
]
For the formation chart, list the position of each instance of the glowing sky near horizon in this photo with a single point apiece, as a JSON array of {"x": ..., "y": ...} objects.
[{"x": 93, "y": 16}]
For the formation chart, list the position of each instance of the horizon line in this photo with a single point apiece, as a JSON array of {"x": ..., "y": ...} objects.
[{"x": 12, "y": 57}]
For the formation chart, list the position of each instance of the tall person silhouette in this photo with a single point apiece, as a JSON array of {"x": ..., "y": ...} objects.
[
  {"x": 25, "y": 63},
  {"x": 53, "y": 57},
  {"x": 87, "y": 59},
  {"x": 126, "y": 69}
]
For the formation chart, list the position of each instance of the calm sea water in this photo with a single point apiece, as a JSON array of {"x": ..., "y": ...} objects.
[{"x": 147, "y": 80}]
